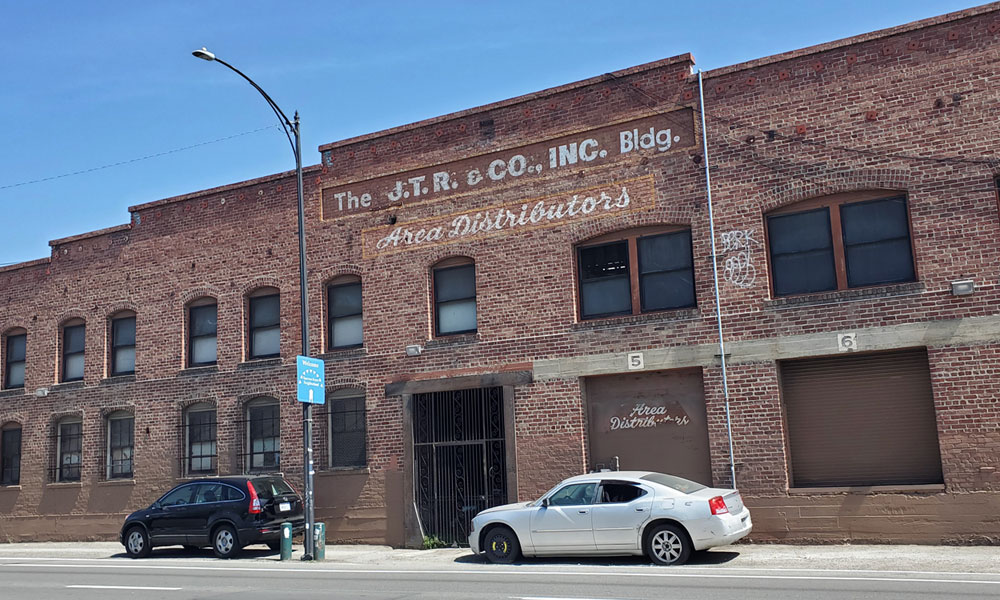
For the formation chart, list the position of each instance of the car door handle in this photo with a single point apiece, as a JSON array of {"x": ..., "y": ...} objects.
[
  {"x": 583, "y": 512},
  {"x": 640, "y": 509}
]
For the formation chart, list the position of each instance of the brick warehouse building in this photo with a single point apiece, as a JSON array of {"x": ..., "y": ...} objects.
[{"x": 523, "y": 291}]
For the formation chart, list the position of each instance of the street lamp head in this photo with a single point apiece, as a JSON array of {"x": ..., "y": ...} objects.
[{"x": 204, "y": 54}]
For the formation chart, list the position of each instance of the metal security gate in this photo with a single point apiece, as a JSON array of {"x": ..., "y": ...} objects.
[{"x": 460, "y": 455}]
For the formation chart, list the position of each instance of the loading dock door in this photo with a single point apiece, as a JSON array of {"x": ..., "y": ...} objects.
[{"x": 650, "y": 422}]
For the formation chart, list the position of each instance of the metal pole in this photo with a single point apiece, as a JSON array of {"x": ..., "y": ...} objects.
[
  {"x": 307, "y": 451},
  {"x": 715, "y": 273}
]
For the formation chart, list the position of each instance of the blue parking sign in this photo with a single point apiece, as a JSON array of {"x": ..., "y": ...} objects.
[{"x": 311, "y": 380}]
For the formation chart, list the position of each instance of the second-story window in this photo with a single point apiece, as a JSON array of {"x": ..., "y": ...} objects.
[
  {"x": 455, "y": 297},
  {"x": 265, "y": 332},
  {"x": 14, "y": 360},
  {"x": 202, "y": 331},
  {"x": 344, "y": 311},
  {"x": 123, "y": 345},
  {"x": 636, "y": 272},
  {"x": 840, "y": 242},
  {"x": 73, "y": 344}
]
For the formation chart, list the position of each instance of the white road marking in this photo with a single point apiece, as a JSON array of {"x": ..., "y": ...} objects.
[
  {"x": 553, "y": 598},
  {"x": 122, "y": 587},
  {"x": 658, "y": 574}
]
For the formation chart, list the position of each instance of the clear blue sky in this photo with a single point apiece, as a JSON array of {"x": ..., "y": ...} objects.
[{"x": 89, "y": 84}]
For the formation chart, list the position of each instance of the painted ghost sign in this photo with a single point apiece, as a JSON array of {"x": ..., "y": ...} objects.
[
  {"x": 654, "y": 134},
  {"x": 618, "y": 197}
]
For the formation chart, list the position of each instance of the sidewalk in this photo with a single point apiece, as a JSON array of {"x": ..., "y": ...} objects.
[{"x": 930, "y": 559}]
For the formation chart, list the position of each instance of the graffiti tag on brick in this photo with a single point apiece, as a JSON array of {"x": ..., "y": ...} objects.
[{"x": 737, "y": 248}]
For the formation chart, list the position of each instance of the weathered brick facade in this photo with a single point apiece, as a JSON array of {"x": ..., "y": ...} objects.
[{"x": 911, "y": 110}]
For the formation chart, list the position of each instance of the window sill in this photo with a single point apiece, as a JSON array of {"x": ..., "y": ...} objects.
[
  {"x": 879, "y": 291},
  {"x": 64, "y": 484},
  {"x": 116, "y": 379},
  {"x": 927, "y": 488},
  {"x": 196, "y": 477},
  {"x": 114, "y": 482},
  {"x": 16, "y": 487},
  {"x": 457, "y": 339},
  {"x": 13, "y": 392},
  {"x": 194, "y": 371},
  {"x": 67, "y": 385},
  {"x": 259, "y": 363},
  {"x": 336, "y": 471},
  {"x": 679, "y": 314}
]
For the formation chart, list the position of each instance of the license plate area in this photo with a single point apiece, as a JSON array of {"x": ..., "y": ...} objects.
[{"x": 284, "y": 506}]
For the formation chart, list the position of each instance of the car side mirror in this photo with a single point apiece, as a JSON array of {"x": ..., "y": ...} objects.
[
  {"x": 155, "y": 504},
  {"x": 545, "y": 502}
]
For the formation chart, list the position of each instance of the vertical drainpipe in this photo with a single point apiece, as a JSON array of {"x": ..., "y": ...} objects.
[{"x": 715, "y": 274}]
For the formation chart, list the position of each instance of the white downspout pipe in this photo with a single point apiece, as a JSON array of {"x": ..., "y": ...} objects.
[{"x": 715, "y": 274}]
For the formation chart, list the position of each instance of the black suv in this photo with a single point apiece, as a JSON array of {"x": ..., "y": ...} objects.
[{"x": 226, "y": 513}]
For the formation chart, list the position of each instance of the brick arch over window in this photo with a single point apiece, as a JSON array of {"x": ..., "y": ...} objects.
[
  {"x": 835, "y": 183},
  {"x": 679, "y": 214},
  {"x": 464, "y": 250},
  {"x": 14, "y": 329},
  {"x": 201, "y": 292},
  {"x": 839, "y": 241},
  {"x": 72, "y": 315},
  {"x": 121, "y": 306},
  {"x": 258, "y": 283},
  {"x": 107, "y": 411}
]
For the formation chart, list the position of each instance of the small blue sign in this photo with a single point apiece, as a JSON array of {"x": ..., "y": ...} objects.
[{"x": 311, "y": 380}]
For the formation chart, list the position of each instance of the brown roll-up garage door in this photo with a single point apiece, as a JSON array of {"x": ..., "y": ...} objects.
[{"x": 861, "y": 419}]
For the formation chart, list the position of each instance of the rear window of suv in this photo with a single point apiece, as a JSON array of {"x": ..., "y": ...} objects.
[
  {"x": 684, "y": 486},
  {"x": 269, "y": 487}
]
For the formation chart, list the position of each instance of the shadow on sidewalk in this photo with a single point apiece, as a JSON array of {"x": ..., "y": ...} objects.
[{"x": 699, "y": 558}]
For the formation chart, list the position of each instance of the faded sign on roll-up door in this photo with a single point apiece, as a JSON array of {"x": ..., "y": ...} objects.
[
  {"x": 654, "y": 134},
  {"x": 650, "y": 422}
]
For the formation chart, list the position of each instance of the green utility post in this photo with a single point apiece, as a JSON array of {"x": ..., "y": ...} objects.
[
  {"x": 286, "y": 541},
  {"x": 319, "y": 542}
]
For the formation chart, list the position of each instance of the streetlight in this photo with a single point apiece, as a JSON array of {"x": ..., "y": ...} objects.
[{"x": 291, "y": 128}]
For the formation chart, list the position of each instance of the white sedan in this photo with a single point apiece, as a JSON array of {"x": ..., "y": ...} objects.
[{"x": 614, "y": 513}]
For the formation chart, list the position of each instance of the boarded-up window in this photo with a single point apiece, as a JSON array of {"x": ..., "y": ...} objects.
[{"x": 861, "y": 419}]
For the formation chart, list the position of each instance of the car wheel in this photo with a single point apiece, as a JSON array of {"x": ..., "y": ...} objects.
[
  {"x": 668, "y": 545},
  {"x": 225, "y": 543},
  {"x": 501, "y": 546},
  {"x": 274, "y": 545},
  {"x": 137, "y": 543}
]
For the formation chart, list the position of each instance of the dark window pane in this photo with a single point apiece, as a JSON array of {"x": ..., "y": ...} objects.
[
  {"x": 73, "y": 339},
  {"x": 619, "y": 493},
  {"x": 345, "y": 300},
  {"x": 120, "y": 435},
  {"x": 201, "y": 434},
  {"x": 264, "y": 311},
  {"x": 10, "y": 456},
  {"x": 70, "y": 446},
  {"x": 671, "y": 289},
  {"x": 347, "y": 432},
  {"x": 264, "y": 437},
  {"x": 578, "y": 494},
  {"x": 204, "y": 320},
  {"x": 802, "y": 252},
  {"x": 877, "y": 242},
  {"x": 605, "y": 297},
  {"x": 666, "y": 272},
  {"x": 123, "y": 331},
  {"x": 667, "y": 252},
  {"x": 455, "y": 283},
  {"x": 609, "y": 260},
  {"x": 16, "y": 345}
]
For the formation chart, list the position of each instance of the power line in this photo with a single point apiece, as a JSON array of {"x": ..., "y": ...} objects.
[{"x": 125, "y": 162}]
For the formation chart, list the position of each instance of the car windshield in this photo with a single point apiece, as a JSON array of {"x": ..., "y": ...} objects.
[
  {"x": 685, "y": 486},
  {"x": 269, "y": 487}
]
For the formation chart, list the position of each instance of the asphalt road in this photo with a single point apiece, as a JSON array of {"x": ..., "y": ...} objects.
[{"x": 172, "y": 576}]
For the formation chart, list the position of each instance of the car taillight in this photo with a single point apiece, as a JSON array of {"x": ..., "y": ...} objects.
[
  {"x": 255, "y": 501},
  {"x": 718, "y": 506}
]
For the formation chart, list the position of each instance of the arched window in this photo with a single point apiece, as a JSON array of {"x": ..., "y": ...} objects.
[
  {"x": 838, "y": 242},
  {"x": 73, "y": 346},
  {"x": 122, "y": 350},
  {"x": 264, "y": 326},
  {"x": 69, "y": 448},
  {"x": 120, "y": 445},
  {"x": 14, "y": 355},
  {"x": 10, "y": 454},
  {"x": 263, "y": 418},
  {"x": 343, "y": 301},
  {"x": 200, "y": 436},
  {"x": 202, "y": 327},
  {"x": 454, "y": 296},
  {"x": 347, "y": 429},
  {"x": 637, "y": 271}
]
